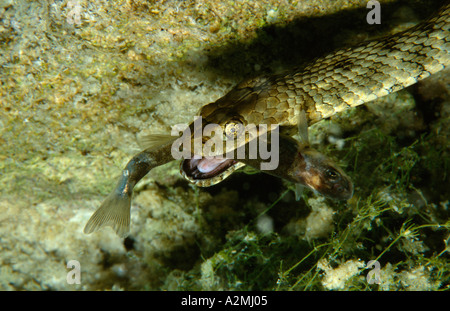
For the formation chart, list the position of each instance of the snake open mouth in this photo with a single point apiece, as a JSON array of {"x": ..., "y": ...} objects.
[{"x": 203, "y": 168}]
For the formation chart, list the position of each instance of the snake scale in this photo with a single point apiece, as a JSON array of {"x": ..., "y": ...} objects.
[{"x": 345, "y": 78}]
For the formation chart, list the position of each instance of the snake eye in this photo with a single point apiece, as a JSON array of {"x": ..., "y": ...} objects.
[
  {"x": 332, "y": 174},
  {"x": 233, "y": 129}
]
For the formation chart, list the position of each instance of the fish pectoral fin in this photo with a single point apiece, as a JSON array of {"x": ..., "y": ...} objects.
[
  {"x": 114, "y": 212},
  {"x": 298, "y": 191},
  {"x": 153, "y": 141},
  {"x": 303, "y": 128}
]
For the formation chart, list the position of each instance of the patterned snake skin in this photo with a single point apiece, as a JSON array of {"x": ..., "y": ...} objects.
[{"x": 345, "y": 78}]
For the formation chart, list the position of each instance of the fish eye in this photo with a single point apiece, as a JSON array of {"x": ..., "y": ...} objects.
[{"x": 332, "y": 174}]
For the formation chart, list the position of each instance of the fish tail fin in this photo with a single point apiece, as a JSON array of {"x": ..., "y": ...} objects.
[
  {"x": 114, "y": 212},
  {"x": 153, "y": 141}
]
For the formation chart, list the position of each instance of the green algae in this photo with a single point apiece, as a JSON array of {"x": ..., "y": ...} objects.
[{"x": 385, "y": 221}]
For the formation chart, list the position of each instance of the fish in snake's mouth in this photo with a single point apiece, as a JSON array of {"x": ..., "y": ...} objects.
[{"x": 348, "y": 77}]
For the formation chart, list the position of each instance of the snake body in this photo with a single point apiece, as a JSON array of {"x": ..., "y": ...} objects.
[{"x": 345, "y": 78}]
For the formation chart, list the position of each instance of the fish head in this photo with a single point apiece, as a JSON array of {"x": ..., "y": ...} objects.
[{"x": 321, "y": 174}]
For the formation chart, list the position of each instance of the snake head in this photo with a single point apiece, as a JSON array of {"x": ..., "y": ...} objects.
[{"x": 322, "y": 175}]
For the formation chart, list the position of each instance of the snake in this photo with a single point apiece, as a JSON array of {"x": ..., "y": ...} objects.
[{"x": 292, "y": 101}]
